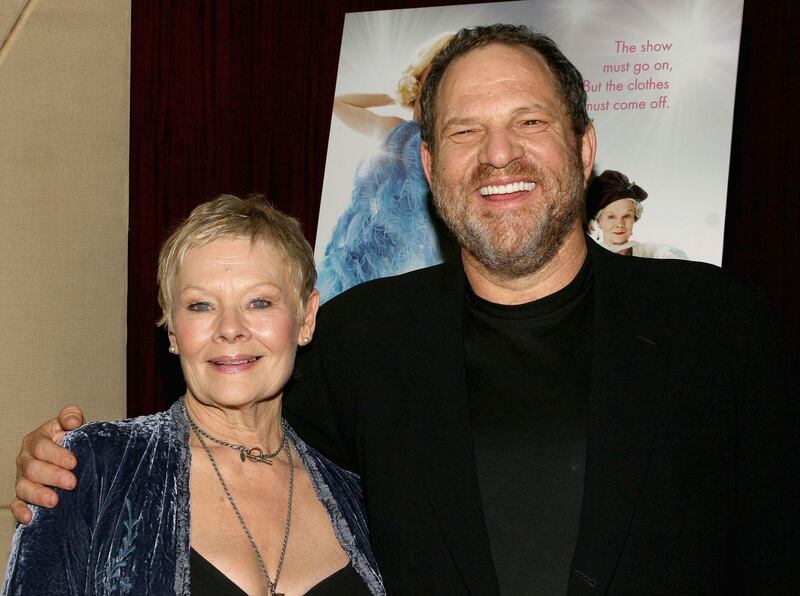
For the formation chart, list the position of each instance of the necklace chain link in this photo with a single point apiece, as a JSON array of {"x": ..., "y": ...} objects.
[
  {"x": 272, "y": 586},
  {"x": 244, "y": 452}
]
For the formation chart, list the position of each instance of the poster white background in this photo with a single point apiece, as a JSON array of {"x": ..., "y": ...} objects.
[{"x": 676, "y": 147}]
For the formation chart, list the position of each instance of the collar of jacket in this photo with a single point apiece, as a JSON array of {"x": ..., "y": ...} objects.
[{"x": 627, "y": 383}]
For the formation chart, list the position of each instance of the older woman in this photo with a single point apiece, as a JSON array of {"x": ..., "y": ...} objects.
[
  {"x": 217, "y": 495},
  {"x": 613, "y": 205}
]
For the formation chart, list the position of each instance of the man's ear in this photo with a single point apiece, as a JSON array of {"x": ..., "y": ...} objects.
[
  {"x": 588, "y": 151},
  {"x": 425, "y": 154}
]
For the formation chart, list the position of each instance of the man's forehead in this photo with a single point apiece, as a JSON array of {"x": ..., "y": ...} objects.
[
  {"x": 483, "y": 67},
  {"x": 511, "y": 57},
  {"x": 495, "y": 70}
]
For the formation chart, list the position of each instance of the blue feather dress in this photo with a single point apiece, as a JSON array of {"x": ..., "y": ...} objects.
[{"x": 389, "y": 227}]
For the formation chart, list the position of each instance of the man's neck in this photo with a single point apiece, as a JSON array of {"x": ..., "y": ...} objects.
[{"x": 555, "y": 275}]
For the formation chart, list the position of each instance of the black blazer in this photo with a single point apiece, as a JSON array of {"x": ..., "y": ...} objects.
[{"x": 692, "y": 455}]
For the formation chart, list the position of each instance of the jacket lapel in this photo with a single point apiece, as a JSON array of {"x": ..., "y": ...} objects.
[
  {"x": 628, "y": 375},
  {"x": 444, "y": 447}
]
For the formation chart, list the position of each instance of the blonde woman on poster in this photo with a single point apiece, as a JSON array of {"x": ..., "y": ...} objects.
[{"x": 388, "y": 228}]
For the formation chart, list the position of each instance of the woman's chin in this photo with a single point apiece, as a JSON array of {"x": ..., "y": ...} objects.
[
  {"x": 616, "y": 243},
  {"x": 232, "y": 400}
]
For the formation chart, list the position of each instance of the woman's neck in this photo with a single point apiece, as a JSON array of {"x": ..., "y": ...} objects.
[{"x": 254, "y": 425}]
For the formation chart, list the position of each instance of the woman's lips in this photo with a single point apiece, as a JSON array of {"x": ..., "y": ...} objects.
[{"x": 234, "y": 363}]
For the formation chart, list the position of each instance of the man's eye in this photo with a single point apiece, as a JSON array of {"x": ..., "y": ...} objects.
[
  {"x": 260, "y": 303},
  {"x": 463, "y": 136},
  {"x": 199, "y": 307},
  {"x": 531, "y": 122}
]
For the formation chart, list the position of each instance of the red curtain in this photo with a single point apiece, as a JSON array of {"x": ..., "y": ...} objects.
[{"x": 236, "y": 97}]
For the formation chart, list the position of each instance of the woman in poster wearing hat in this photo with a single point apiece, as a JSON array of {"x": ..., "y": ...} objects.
[{"x": 613, "y": 206}]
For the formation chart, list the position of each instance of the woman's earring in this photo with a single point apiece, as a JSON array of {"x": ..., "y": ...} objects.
[{"x": 173, "y": 349}]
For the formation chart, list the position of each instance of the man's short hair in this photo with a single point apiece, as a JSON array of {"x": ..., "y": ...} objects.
[{"x": 568, "y": 79}]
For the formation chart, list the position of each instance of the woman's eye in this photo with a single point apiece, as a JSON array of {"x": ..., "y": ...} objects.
[
  {"x": 199, "y": 307},
  {"x": 260, "y": 303}
]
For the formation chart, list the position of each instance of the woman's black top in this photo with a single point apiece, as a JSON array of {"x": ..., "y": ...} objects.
[{"x": 207, "y": 580}]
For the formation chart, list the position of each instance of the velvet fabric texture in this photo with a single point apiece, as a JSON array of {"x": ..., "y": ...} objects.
[{"x": 125, "y": 529}]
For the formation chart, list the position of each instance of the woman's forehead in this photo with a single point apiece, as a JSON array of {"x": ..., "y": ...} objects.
[
  {"x": 620, "y": 205},
  {"x": 234, "y": 256}
]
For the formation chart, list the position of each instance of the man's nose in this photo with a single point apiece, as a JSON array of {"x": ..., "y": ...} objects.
[{"x": 500, "y": 148}]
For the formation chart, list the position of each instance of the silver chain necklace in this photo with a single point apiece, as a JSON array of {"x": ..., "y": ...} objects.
[
  {"x": 272, "y": 586},
  {"x": 252, "y": 453}
]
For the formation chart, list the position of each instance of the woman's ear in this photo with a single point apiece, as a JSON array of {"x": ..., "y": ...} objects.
[
  {"x": 309, "y": 321},
  {"x": 173, "y": 343}
]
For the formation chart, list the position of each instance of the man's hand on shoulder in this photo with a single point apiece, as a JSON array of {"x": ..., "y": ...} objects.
[{"x": 42, "y": 463}]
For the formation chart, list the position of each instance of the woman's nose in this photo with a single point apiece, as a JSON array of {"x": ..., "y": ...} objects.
[{"x": 231, "y": 325}]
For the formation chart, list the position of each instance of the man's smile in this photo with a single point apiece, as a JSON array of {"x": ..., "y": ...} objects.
[{"x": 505, "y": 189}]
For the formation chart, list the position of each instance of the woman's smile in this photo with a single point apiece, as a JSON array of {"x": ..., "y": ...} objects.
[{"x": 234, "y": 363}]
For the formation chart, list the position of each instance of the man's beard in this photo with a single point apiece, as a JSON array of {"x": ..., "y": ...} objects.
[{"x": 521, "y": 241}]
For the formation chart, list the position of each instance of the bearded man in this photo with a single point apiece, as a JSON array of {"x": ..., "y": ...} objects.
[{"x": 542, "y": 416}]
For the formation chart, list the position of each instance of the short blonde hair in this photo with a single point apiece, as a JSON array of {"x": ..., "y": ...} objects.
[
  {"x": 228, "y": 216},
  {"x": 409, "y": 86}
]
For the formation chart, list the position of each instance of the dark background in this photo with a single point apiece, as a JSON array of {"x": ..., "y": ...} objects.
[{"x": 236, "y": 96}]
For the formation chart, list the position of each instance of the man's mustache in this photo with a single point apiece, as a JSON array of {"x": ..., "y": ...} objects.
[{"x": 519, "y": 168}]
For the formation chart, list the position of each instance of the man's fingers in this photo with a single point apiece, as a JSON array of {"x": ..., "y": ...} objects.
[
  {"x": 70, "y": 417},
  {"x": 30, "y": 492},
  {"x": 42, "y": 463},
  {"x": 21, "y": 512},
  {"x": 41, "y": 446},
  {"x": 38, "y": 472}
]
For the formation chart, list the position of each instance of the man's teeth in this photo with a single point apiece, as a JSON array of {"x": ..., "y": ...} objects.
[{"x": 504, "y": 189}]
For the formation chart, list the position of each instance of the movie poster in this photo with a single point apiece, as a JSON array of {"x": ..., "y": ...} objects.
[{"x": 660, "y": 79}]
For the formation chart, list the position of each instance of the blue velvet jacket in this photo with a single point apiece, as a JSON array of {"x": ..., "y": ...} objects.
[{"x": 125, "y": 528}]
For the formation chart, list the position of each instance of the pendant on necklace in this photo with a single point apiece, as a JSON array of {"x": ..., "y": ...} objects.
[{"x": 256, "y": 454}]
